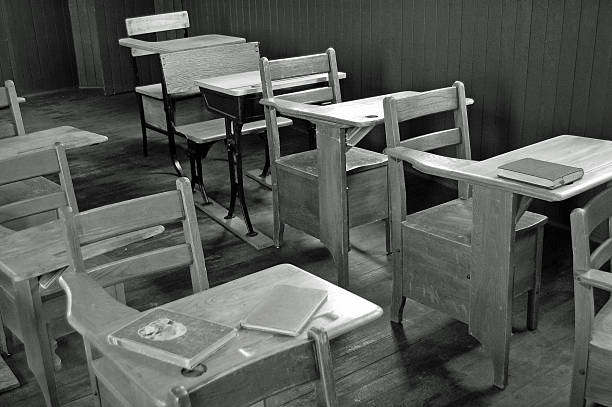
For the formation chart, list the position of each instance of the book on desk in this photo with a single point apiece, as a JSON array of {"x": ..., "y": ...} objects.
[
  {"x": 286, "y": 310},
  {"x": 541, "y": 173},
  {"x": 172, "y": 337}
]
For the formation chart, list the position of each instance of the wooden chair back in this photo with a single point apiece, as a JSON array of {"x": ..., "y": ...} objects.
[
  {"x": 587, "y": 264},
  {"x": 9, "y": 100},
  {"x": 400, "y": 108},
  {"x": 156, "y": 23},
  {"x": 32, "y": 165},
  {"x": 141, "y": 213},
  {"x": 287, "y": 68},
  {"x": 181, "y": 69}
]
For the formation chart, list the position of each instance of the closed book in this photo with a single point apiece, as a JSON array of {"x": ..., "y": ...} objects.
[
  {"x": 172, "y": 337},
  {"x": 286, "y": 309},
  {"x": 542, "y": 173}
]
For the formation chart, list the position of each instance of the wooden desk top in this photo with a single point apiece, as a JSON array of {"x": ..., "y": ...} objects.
[
  {"x": 249, "y": 83},
  {"x": 228, "y": 304},
  {"x": 365, "y": 112},
  {"x": 592, "y": 155},
  {"x": 180, "y": 44},
  {"x": 70, "y": 137}
]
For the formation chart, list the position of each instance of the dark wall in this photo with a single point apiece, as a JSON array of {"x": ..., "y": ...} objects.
[{"x": 36, "y": 48}]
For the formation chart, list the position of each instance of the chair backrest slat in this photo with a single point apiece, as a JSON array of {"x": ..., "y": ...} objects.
[
  {"x": 157, "y": 23},
  {"x": 9, "y": 99},
  {"x": 299, "y": 66},
  {"x": 156, "y": 261},
  {"x": 434, "y": 141},
  {"x": 310, "y": 96},
  {"x": 32, "y": 206},
  {"x": 602, "y": 254},
  {"x": 123, "y": 217},
  {"x": 426, "y": 103},
  {"x": 30, "y": 165},
  {"x": 180, "y": 69}
]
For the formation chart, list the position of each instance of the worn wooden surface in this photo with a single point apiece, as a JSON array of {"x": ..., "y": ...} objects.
[
  {"x": 431, "y": 360},
  {"x": 179, "y": 44},
  {"x": 249, "y": 83},
  {"x": 156, "y": 23},
  {"x": 69, "y": 136},
  {"x": 228, "y": 304}
]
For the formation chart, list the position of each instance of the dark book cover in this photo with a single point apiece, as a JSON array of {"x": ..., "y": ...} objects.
[
  {"x": 172, "y": 337},
  {"x": 538, "y": 172}
]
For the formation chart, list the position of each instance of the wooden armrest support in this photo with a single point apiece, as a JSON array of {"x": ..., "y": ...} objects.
[
  {"x": 429, "y": 163},
  {"x": 140, "y": 44},
  {"x": 596, "y": 278},
  {"x": 90, "y": 309}
]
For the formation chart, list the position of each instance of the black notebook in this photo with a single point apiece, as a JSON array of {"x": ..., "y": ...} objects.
[{"x": 542, "y": 173}]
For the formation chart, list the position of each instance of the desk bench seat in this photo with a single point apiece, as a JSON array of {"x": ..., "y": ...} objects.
[
  {"x": 23, "y": 190},
  {"x": 155, "y": 91},
  {"x": 214, "y": 130}
]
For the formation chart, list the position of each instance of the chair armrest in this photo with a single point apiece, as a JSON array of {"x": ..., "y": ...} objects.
[
  {"x": 429, "y": 163},
  {"x": 596, "y": 278},
  {"x": 90, "y": 310}
]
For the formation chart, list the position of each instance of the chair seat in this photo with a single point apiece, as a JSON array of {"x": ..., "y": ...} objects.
[
  {"x": 214, "y": 130},
  {"x": 155, "y": 91},
  {"x": 357, "y": 160},
  {"x": 453, "y": 221}
]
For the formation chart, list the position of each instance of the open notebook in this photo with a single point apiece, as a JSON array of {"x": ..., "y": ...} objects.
[{"x": 286, "y": 309}]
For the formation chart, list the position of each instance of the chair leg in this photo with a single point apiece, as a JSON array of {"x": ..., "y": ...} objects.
[
  {"x": 326, "y": 386},
  {"x": 534, "y": 294},
  {"x": 143, "y": 127},
  {"x": 92, "y": 377},
  {"x": 3, "y": 343},
  {"x": 583, "y": 298}
]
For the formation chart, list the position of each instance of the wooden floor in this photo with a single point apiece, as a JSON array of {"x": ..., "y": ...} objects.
[{"x": 429, "y": 361}]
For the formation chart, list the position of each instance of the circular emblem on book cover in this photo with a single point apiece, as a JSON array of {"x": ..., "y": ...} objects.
[{"x": 162, "y": 329}]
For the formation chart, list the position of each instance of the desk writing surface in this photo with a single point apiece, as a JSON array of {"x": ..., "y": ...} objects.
[
  {"x": 180, "y": 44},
  {"x": 592, "y": 155},
  {"x": 70, "y": 137},
  {"x": 365, "y": 112},
  {"x": 229, "y": 303},
  {"x": 249, "y": 83}
]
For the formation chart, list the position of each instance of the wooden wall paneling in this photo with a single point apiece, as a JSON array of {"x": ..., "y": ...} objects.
[
  {"x": 584, "y": 66},
  {"x": 86, "y": 42},
  {"x": 520, "y": 62},
  {"x": 7, "y": 56},
  {"x": 478, "y": 86},
  {"x": 506, "y": 74},
  {"x": 454, "y": 42},
  {"x": 389, "y": 41},
  {"x": 565, "y": 76},
  {"x": 442, "y": 49},
  {"x": 550, "y": 69},
  {"x": 367, "y": 53},
  {"x": 533, "y": 86},
  {"x": 490, "y": 140},
  {"x": 596, "y": 106}
]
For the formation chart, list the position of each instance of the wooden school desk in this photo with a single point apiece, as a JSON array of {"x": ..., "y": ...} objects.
[
  {"x": 498, "y": 203},
  {"x": 338, "y": 125},
  {"x": 236, "y": 98}
]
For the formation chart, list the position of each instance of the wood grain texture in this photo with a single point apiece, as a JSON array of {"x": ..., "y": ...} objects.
[{"x": 157, "y": 23}]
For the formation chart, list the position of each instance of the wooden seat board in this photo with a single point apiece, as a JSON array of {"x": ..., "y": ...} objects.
[
  {"x": 155, "y": 91},
  {"x": 213, "y": 130},
  {"x": 452, "y": 220}
]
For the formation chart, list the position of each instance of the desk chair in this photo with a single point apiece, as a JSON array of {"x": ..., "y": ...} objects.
[
  {"x": 295, "y": 176},
  {"x": 180, "y": 70},
  {"x": 13, "y": 127},
  {"x": 150, "y": 97},
  {"x": 432, "y": 248},
  {"x": 593, "y": 331},
  {"x": 250, "y": 368}
]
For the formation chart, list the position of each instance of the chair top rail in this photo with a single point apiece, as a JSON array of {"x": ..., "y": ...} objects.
[{"x": 157, "y": 23}]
